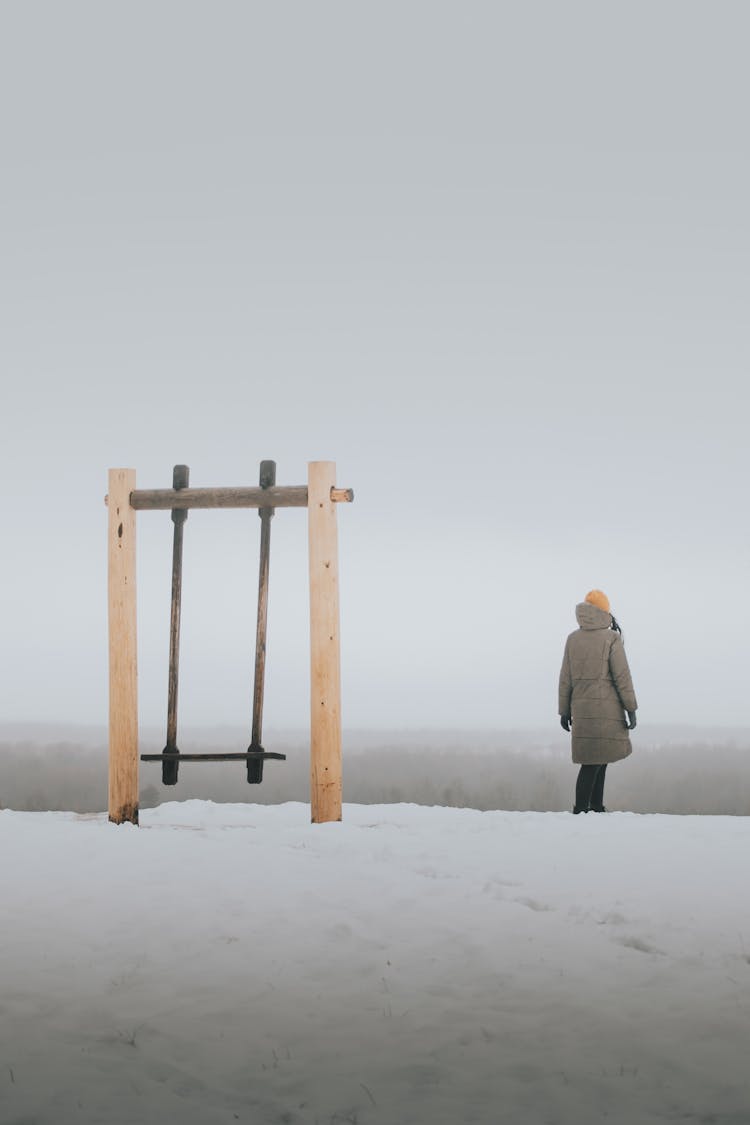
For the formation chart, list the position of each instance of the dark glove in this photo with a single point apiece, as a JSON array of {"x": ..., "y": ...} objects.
[
  {"x": 631, "y": 720},
  {"x": 565, "y": 722}
]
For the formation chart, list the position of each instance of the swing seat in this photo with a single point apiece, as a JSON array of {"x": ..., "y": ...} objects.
[
  {"x": 248, "y": 755},
  {"x": 171, "y": 760}
]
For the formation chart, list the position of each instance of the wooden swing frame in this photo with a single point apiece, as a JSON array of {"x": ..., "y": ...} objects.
[{"x": 320, "y": 497}]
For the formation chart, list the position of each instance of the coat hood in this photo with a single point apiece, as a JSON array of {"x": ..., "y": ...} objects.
[{"x": 591, "y": 617}]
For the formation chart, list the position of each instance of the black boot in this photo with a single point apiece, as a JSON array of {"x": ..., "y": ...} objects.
[
  {"x": 596, "y": 799},
  {"x": 587, "y": 776}
]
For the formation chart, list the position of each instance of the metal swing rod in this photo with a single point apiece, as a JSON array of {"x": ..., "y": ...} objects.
[
  {"x": 255, "y": 764},
  {"x": 169, "y": 770},
  {"x": 180, "y": 498}
]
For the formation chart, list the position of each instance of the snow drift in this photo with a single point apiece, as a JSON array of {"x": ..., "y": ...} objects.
[{"x": 235, "y": 963}]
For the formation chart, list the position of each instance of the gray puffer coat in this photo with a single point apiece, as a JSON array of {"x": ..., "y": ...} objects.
[{"x": 596, "y": 689}]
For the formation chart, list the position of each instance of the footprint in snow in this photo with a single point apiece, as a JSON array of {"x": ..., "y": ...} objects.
[
  {"x": 496, "y": 887},
  {"x": 433, "y": 873},
  {"x": 532, "y": 904},
  {"x": 640, "y": 945},
  {"x": 612, "y": 919}
]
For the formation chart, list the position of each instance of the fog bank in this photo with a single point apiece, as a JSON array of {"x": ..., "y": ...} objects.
[{"x": 672, "y": 770}]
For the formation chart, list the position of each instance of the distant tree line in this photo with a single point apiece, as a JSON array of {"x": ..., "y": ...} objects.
[{"x": 498, "y": 773}]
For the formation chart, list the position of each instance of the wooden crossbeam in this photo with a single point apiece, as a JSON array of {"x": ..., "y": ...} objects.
[{"x": 170, "y": 499}]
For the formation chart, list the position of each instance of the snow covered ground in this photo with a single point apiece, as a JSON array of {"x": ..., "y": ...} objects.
[{"x": 235, "y": 963}]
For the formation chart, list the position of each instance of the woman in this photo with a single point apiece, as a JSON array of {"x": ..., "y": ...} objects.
[{"x": 595, "y": 691}]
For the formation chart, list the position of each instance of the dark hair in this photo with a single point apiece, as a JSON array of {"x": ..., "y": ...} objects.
[{"x": 616, "y": 627}]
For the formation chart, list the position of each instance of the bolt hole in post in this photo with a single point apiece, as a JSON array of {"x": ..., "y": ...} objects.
[
  {"x": 325, "y": 673},
  {"x": 123, "y": 649}
]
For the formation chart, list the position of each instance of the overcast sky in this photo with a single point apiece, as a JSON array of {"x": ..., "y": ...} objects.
[{"x": 492, "y": 259}]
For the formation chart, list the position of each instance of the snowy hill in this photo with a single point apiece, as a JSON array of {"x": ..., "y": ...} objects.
[{"x": 234, "y": 963}]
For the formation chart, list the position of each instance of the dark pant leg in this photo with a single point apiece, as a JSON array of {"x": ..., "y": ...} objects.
[
  {"x": 586, "y": 778},
  {"x": 596, "y": 801}
]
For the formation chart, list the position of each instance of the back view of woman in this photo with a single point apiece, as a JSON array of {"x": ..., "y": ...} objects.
[{"x": 596, "y": 691}]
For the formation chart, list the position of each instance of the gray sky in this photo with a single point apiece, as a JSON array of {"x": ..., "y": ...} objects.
[{"x": 490, "y": 258}]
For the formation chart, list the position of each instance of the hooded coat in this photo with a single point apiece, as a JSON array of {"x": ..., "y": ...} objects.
[{"x": 596, "y": 689}]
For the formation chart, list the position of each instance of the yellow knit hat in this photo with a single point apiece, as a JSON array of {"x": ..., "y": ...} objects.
[{"x": 599, "y": 599}]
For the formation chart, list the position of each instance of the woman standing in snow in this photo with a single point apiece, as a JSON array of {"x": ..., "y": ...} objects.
[{"x": 595, "y": 692}]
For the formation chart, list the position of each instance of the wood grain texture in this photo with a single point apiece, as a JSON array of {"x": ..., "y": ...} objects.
[
  {"x": 325, "y": 661},
  {"x": 163, "y": 499},
  {"x": 342, "y": 495},
  {"x": 123, "y": 660}
]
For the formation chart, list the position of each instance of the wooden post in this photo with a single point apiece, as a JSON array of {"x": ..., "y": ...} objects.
[
  {"x": 325, "y": 664},
  {"x": 123, "y": 682}
]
